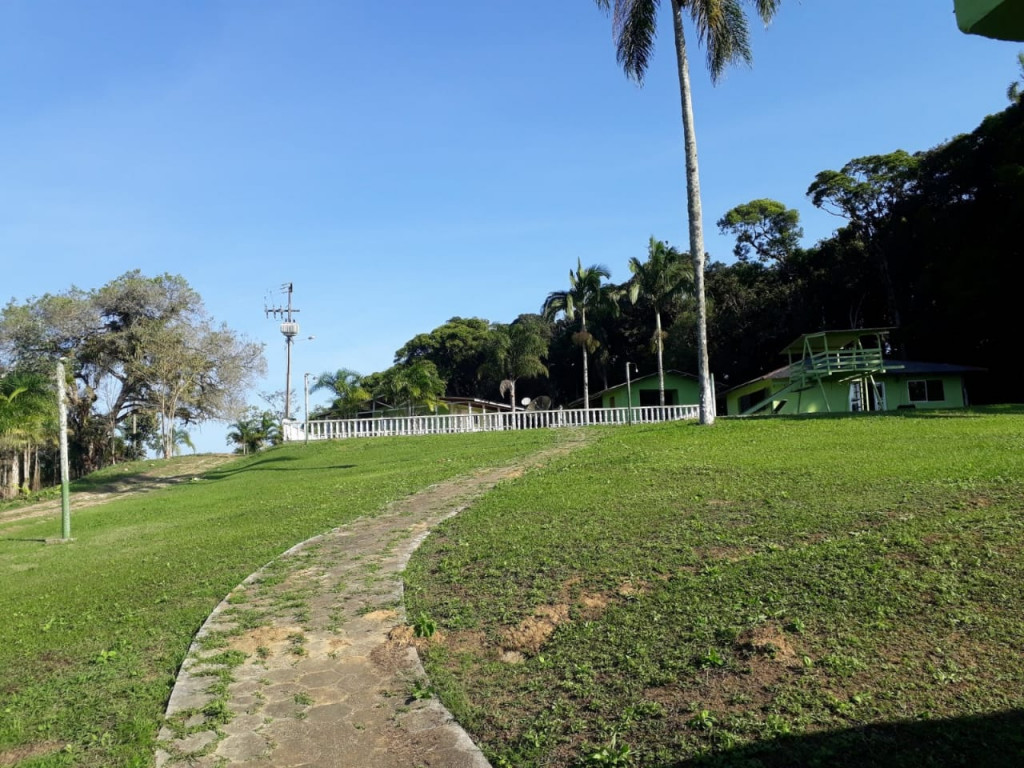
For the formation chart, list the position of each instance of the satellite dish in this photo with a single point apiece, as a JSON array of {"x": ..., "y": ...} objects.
[{"x": 526, "y": 401}]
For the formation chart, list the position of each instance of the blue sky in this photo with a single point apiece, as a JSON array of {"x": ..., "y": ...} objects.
[{"x": 402, "y": 164}]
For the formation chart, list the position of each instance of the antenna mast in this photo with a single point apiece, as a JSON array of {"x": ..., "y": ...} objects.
[{"x": 290, "y": 329}]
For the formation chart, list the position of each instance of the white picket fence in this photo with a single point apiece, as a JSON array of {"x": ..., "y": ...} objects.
[{"x": 339, "y": 429}]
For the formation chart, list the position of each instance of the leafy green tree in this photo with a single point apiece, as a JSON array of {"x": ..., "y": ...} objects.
[
  {"x": 417, "y": 384},
  {"x": 350, "y": 395},
  {"x": 866, "y": 192},
  {"x": 193, "y": 372},
  {"x": 517, "y": 352},
  {"x": 721, "y": 27},
  {"x": 765, "y": 228},
  {"x": 136, "y": 344},
  {"x": 457, "y": 348},
  {"x": 660, "y": 278},
  {"x": 587, "y": 292}
]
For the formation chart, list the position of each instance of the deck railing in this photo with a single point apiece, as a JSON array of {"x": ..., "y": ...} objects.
[
  {"x": 844, "y": 360},
  {"x": 339, "y": 429}
]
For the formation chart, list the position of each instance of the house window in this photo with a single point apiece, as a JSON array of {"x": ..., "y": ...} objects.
[
  {"x": 746, "y": 401},
  {"x": 650, "y": 397},
  {"x": 926, "y": 391}
]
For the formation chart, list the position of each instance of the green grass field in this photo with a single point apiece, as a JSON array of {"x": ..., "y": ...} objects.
[
  {"x": 810, "y": 591},
  {"x": 814, "y": 591},
  {"x": 92, "y": 632}
]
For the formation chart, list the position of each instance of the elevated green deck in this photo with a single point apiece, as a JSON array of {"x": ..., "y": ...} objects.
[{"x": 848, "y": 354}]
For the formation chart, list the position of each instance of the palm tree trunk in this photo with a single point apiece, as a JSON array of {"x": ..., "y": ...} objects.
[
  {"x": 13, "y": 480},
  {"x": 707, "y": 413},
  {"x": 661, "y": 364},
  {"x": 586, "y": 373}
]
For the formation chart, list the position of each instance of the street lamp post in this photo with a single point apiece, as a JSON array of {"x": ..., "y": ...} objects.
[
  {"x": 305, "y": 425},
  {"x": 629, "y": 394}
]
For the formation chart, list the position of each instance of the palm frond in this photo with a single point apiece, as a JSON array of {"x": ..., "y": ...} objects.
[
  {"x": 634, "y": 30},
  {"x": 767, "y": 9},
  {"x": 722, "y": 30}
]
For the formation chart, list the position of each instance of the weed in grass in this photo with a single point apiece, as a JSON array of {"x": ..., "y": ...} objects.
[
  {"x": 424, "y": 626},
  {"x": 614, "y": 755},
  {"x": 420, "y": 691},
  {"x": 296, "y": 641},
  {"x": 703, "y": 720},
  {"x": 303, "y": 699},
  {"x": 218, "y": 711},
  {"x": 711, "y": 658}
]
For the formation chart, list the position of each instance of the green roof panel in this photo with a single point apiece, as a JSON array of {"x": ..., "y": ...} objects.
[{"x": 999, "y": 19}]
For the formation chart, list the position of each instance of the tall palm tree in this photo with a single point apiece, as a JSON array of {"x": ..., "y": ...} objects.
[
  {"x": 658, "y": 279},
  {"x": 586, "y": 292},
  {"x": 516, "y": 352},
  {"x": 722, "y": 29}
]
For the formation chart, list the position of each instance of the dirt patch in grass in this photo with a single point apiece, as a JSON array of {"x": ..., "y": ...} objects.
[
  {"x": 28, "y": 751},
  {"x": 381, "y": 615},
  {"x": 393, "y": 656},
  {"x": 273, "y": 639},
  {"x": 767, "y": 643},
  {"x": 531, "y": 633}
]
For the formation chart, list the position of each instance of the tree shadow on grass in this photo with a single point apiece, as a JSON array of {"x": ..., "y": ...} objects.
[
  {"x": 991, "y": 741},
  {"x": 262, "y": 466}
]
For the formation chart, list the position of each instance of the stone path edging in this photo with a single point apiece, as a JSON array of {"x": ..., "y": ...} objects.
[{"x": 308, "y": 662}]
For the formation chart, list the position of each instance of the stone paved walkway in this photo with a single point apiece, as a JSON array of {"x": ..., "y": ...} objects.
[{"x": 308, "y": 663}]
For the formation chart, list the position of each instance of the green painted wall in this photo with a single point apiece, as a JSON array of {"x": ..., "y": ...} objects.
[
  {"x": 687, "y": 391},
  {"x": 834, "y": 396}
]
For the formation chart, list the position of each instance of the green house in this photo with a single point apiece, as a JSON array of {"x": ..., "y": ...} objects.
[
  {"x": 999, "y": 19},
  {"x": 846, "y": 372},
  {"x": 680, "y": 389}
]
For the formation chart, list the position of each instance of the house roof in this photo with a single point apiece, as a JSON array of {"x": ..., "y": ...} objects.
[
  {"x": 903, "y": 367},
  {"x": 820, "y": 340}
]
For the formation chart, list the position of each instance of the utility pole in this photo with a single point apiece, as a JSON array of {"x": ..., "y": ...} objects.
[{"x": 290, "y": 329}]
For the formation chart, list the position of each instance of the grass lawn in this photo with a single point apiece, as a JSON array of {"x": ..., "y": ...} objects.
[
  {"x": 766, "y": 592},
  {"x": 92, "y": 632}
]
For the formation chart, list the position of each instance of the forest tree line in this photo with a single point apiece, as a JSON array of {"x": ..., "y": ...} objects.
[{"x": 929, "y": 245}]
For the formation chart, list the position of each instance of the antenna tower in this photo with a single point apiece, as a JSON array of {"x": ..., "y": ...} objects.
[{"x": 290, "y": 329}]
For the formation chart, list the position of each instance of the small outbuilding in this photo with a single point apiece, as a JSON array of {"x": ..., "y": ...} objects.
[
  {"x": 680, "y": 389},
  {"x": 847, "y": 372}
]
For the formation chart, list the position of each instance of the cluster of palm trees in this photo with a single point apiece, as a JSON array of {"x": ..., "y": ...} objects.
[
  {"x": 28, "y": 424},
  {"x": 663, "y": 276},
  {"x": 254, "y": 431}
]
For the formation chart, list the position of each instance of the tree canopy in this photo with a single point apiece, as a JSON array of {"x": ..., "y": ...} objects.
[{"x": 135, "y": 347}]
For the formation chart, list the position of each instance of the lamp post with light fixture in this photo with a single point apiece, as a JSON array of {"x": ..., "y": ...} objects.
[{"x": 629, "y": 394}]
